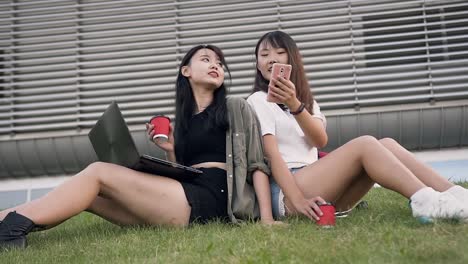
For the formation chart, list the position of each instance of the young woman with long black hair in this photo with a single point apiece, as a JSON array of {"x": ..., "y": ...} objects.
[
  {"x": 216, "y": 134},
  {"x": 293, "y": 129}
]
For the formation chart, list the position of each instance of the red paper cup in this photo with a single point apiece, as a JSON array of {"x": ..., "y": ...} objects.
[
  {"x": 327, "y": 220},
  {"x": 161, "y": 126}
]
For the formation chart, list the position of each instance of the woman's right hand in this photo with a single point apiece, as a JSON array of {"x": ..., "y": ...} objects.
[
  {"x": 307, "y": 207},
  {"x": 166, "y": 145}
]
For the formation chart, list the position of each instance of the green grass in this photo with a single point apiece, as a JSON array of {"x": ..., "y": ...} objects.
[{"x": 384, "y": 233}]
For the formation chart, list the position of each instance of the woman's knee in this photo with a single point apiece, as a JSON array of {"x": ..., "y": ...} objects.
[
  {"x": 94, "y": 168},
  {"x": 388, "y": 142},
  {"x": 364, "y": 144},
  {"x": 97, "y": 170},
  {"x": 366, "y": 140}
]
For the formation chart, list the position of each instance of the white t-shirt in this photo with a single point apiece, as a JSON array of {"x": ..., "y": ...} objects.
[{"x": 292, "y": 143}]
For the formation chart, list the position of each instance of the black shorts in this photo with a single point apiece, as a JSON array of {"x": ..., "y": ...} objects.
[{"x": 207, "y": 195}]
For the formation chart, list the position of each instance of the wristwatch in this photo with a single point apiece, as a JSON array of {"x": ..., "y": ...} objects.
[{"x": 299, "y": 110}]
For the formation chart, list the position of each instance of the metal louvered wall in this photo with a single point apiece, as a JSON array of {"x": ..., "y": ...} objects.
[{"x": 63, "y": 61}]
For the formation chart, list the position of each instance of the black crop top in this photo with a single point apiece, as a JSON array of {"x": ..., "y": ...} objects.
[{"x": 204, "y": 144}]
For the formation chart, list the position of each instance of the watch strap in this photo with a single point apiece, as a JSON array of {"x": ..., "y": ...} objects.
[{"x": 299, "y": 110}]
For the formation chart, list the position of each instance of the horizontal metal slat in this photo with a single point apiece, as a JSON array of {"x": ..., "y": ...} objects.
[
  {"x": 88, "y": 111},
  {"x": 298, "y": 18},
  {"x": 283, "y": 8},
  {"x": 326, "y": 87},
  {"x": 51, "y": 79},
  {"x": 72, "y": 103},
  {"x": 96, "y": 63}
]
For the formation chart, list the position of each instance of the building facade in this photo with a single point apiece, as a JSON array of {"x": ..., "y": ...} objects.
[{"x": 386, "y": 68}]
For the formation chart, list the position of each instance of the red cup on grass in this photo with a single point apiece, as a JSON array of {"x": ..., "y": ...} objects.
[
  {"x": 327, "y": 220},
  {"x": 161, "y": 126}
]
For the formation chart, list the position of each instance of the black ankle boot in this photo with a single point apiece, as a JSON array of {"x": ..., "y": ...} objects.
[{"x": 13, "y": 231}]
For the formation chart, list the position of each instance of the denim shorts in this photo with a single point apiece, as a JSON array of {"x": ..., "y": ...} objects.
[{"x": 277, "y": 197}]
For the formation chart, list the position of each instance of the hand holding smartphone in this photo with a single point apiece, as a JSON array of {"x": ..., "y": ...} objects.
[{"x": 278, "y": 70}]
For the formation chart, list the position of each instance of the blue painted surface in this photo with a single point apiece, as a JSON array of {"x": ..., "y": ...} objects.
[
  {"x": 36, "y": 193},
  {"x": 10, "y": 199},
  {"x": 454, "y": 170}
]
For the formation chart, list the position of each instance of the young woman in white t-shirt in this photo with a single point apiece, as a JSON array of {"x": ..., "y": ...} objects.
[{"x": 294, "y": 129}]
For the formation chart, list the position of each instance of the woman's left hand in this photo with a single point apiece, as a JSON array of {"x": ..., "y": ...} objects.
[
  {"x": 166, "y": 145},
  {"x": 285, "y": 91}
]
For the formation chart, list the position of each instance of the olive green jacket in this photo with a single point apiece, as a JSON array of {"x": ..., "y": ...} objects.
[{"x": 244, "y": 155}]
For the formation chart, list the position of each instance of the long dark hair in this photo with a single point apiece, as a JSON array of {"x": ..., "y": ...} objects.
[
  {"x": 279, "y": 39},
  {"x": 186, "y": 104}
]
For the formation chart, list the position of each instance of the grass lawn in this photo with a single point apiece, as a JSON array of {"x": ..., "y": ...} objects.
[{"x": 384, "y": 233}]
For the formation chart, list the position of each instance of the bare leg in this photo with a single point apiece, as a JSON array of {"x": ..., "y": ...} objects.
[
  {"x": 154, "y": 200},
  {"x": 354, "y": 192},
  {"x": 424, "y": 173},
  {"x": 331, "y": 176},
  {"x": 113, "y": 212},
  {"x": 6, "y": 211},
  {"x": 105, "y": 208},
  {"x": 102, "y": 207}
]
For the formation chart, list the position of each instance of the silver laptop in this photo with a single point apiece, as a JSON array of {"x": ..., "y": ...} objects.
[{"x": 113, "y": 143}]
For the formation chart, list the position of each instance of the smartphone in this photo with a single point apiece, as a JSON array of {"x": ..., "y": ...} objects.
[{"x": 278, "y": 70}]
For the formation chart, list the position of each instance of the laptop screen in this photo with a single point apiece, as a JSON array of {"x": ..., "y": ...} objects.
[{"x": 112, "y": 140}]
